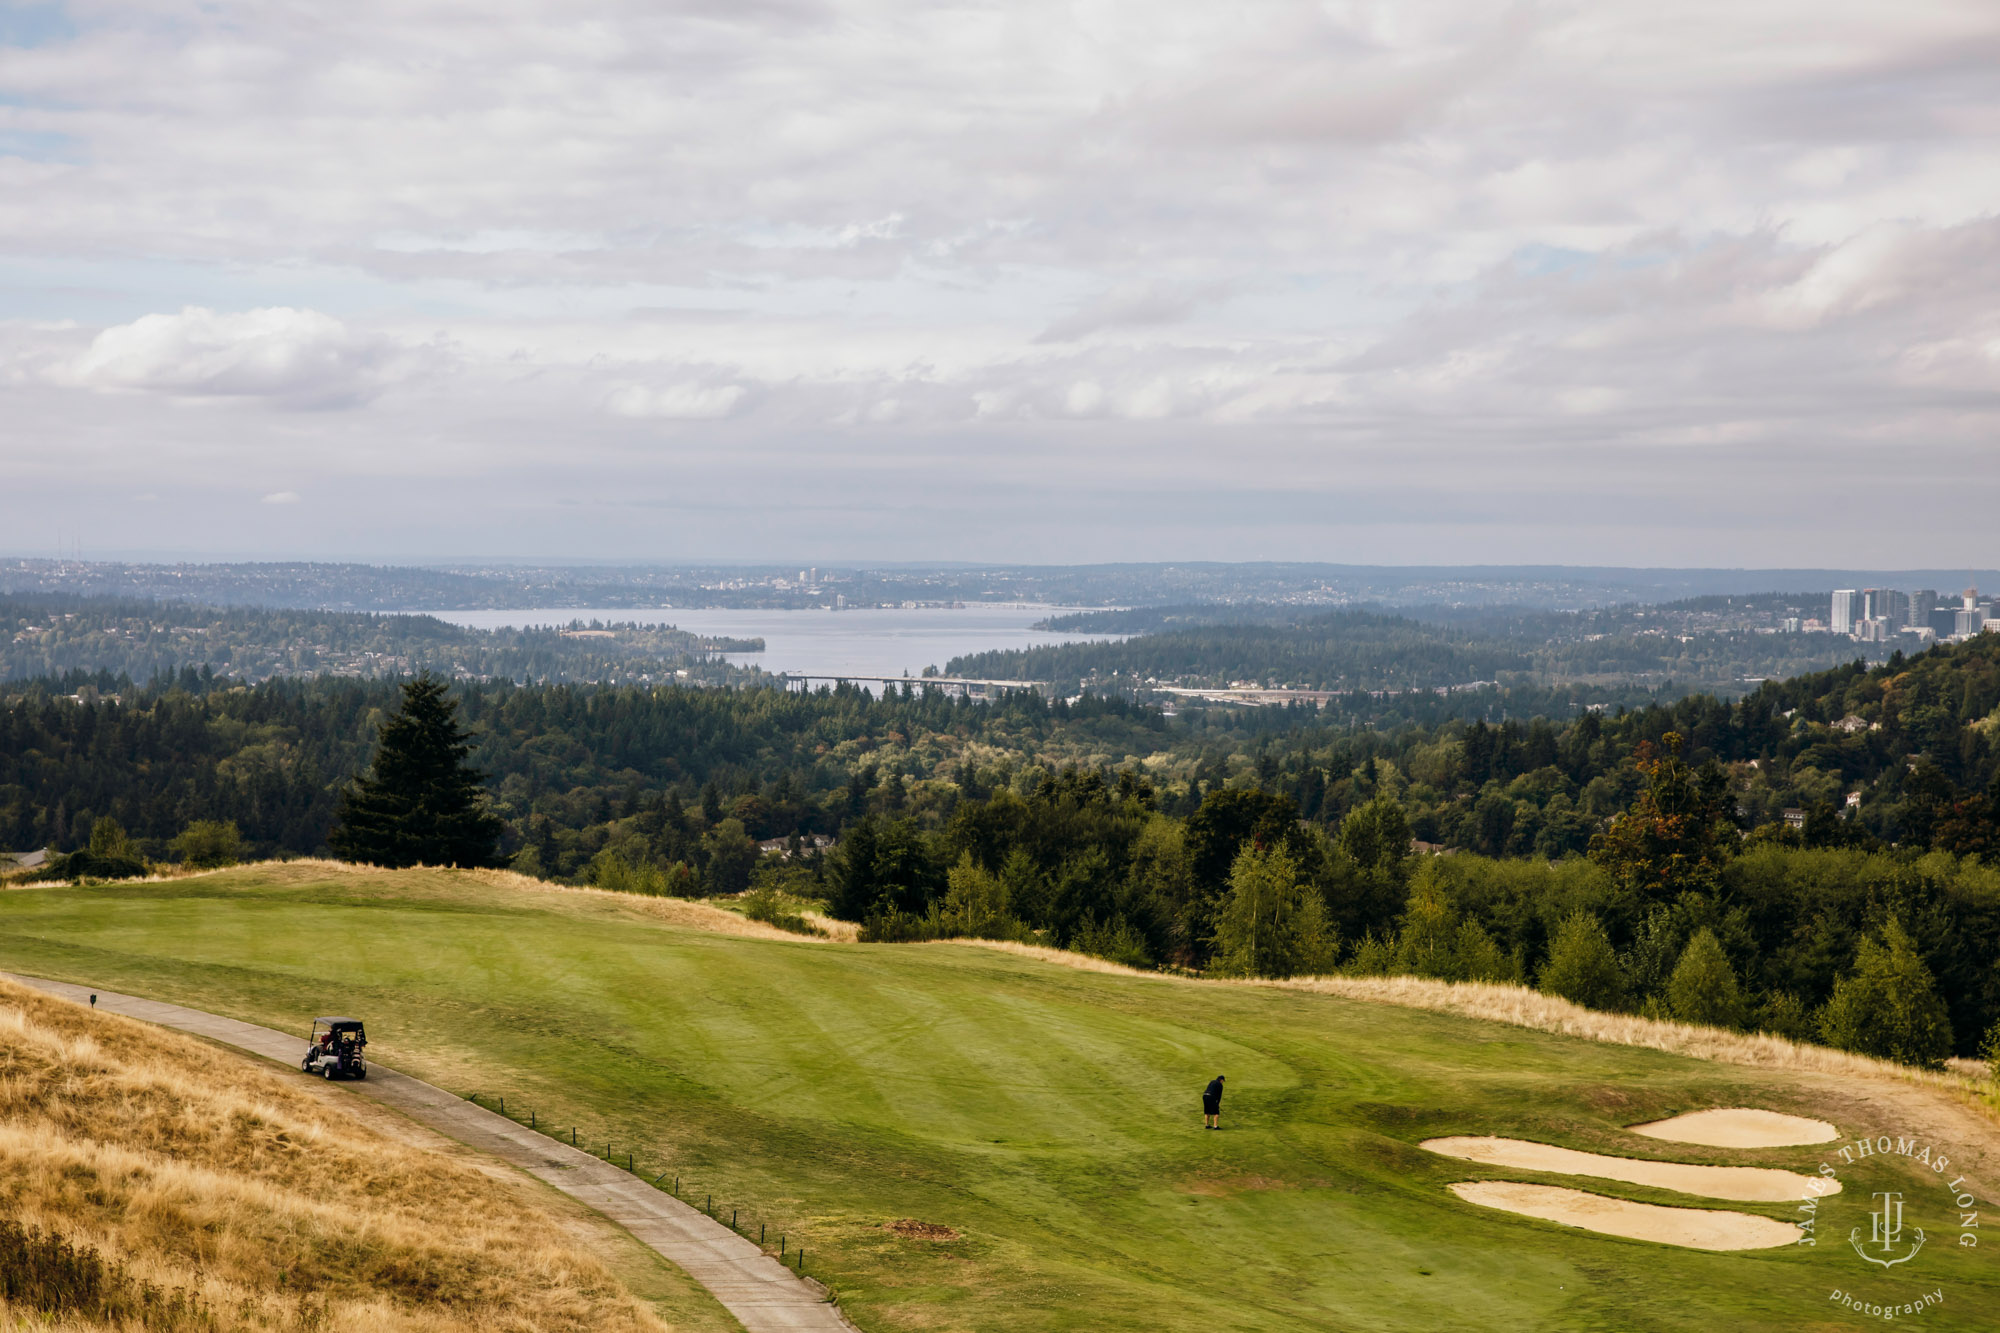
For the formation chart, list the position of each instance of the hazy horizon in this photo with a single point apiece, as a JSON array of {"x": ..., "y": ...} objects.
[{"x": 1428, "y": 284}]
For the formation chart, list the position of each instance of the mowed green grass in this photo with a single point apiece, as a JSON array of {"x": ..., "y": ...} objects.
[{"x": 1049, "y": 1114}]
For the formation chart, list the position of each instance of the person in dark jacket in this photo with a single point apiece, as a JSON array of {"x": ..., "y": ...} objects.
[{"x": 1211, "y": 1104}]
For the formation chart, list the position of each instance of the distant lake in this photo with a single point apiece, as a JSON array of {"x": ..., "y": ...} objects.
[{"x": 864, "y": 641}]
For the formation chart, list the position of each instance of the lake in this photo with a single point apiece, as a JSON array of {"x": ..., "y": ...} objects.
[{"x": 861, "y": 641}]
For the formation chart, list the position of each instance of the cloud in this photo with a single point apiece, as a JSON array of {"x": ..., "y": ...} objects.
[
  {"x": 1452, "y": 248},
  {"x": 296, "y": 358},
  {"x": 280, "y": 498},
  {"x": 677, "y": 402},
  {"x": 1145, "y": 304}
]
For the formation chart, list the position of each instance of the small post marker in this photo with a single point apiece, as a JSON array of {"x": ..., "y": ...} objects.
[
  {"x": 662, "y": 1176},
  {"x": 781, "y": 1244},
  {"x": 93, "y": 999},
  {"x": 732, "y": 1219},
  {"x": 760, "y": 1233},
  {"x": 503, "y": 1106},
  {"x": 628, "y": 1161},
  {"x": 531, "y": 1120},
  {"x": 709, "y": 1206},
  {"x": 572, "y": 1136}
]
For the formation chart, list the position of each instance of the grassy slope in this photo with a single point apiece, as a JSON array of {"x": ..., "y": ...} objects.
[
  {"x": 1048, "y": 1113},
  {"x": 274, "y": 1203}
]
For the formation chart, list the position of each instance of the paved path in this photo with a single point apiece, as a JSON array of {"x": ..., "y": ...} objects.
[{"x": 761, "y": 1292}]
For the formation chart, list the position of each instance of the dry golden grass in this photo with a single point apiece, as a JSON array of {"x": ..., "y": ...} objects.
[{"x": 197, "y": 1171}]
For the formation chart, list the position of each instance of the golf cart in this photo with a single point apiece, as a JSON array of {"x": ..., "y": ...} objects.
[{"x": 335, "y": 1051}]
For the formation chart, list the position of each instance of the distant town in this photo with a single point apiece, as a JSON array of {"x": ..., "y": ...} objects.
[{"x": 1885, "y": 615}]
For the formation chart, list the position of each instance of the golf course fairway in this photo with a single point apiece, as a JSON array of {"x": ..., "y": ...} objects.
[{"x": 1043, "y": 1120}]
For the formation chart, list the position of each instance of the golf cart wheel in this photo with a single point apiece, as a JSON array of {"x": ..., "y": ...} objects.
[
  {"x": 361, "y": 1073},
  {"x": 327, "y": 1070}
]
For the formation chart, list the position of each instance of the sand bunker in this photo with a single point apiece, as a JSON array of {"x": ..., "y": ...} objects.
[
  {"x": 1744, "y": 1184},
  {"x": 1740, "y": 1127},
  {"x": 1691, "y": 1228}
]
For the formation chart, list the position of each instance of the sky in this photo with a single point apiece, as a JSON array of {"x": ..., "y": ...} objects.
[{"x": 1424, "y": 282}]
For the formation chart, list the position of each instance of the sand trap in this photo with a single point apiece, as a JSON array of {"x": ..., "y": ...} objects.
[
  {"x": 1740, "y": 1127},
  {"x": 1691, "y": 1228},
  {"x": 1744, "y": 1184}
]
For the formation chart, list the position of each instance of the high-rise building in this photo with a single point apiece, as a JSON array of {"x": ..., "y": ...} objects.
[
  {"x": 1885, "y": 604},
  {"x": 1971, "y": 617},
  {"x": 1922, "y": 602},
  {"x": 1846, "y": 610}
]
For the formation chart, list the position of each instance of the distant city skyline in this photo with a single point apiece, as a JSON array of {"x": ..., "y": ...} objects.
[{"x": 1434, "y": 283}]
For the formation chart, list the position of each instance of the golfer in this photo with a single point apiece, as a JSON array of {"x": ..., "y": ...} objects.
[{"x": 1211, "y": 1104}]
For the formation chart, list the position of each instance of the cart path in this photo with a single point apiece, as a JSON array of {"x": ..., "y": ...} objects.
[{"x": 764, "y": 1295}]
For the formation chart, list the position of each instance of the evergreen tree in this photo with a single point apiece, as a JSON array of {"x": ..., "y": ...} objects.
[
  {"x": 1581, "y": 965},
  {"x": 422, "y": 803},
  {"x": 1478, "y": 958},
  {"x": 1271, "y": 924},
  {"x": 1703, "y": 988},
  {"x": 1676, "y": 836},
  {"x": 1427, "y": 945},
  {"x": 1889, "y": 1005}
]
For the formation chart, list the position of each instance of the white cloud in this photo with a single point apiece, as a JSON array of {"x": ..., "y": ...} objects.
[
  {"x": 280, "y": 498},
  {"x": 294, "y": 357},
  {"x": 682, "y": 402},
  {"x": 851, "y": 236}
]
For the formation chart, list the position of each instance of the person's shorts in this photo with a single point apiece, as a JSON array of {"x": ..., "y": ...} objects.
[{"x": 1211, "y": 1108}]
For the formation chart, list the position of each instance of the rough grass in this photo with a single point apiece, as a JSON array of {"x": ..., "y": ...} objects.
[{"x": 198, "y": 1175}]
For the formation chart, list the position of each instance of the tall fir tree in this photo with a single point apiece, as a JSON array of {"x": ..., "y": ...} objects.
[
  {"x": 1582, "y": 966},
  {"x": 421, "y": 803},
  {"x": 1703, "y": 988}
]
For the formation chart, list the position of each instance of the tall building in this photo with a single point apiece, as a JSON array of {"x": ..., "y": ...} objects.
[
  {"x": 1922, "y": 602},
  {"x": 1846, "y": 610},
  {"x": 1971, "y": 617},
  {"x": 1885, "y": 604}
]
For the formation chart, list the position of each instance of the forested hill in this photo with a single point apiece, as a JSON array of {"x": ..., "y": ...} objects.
[
  {"x": 1344, "y": 650},
  {"x": 1918, "y": 741},
  {"x": 51, "y": 633},
  {"x": 1690, "y": 645}
]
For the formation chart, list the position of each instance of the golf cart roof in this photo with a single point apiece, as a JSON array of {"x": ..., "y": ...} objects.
[{"x": 334, "y": 1022}]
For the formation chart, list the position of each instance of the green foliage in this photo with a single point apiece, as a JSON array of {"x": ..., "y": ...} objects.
[
  {"x": 767, "y": 906},
  {"x": 1889, "y": 1006},
  {"x": 1115, "y": 940},
  {"x": 609, "y": 870},
  {"x": 111, "y": 854},
  {"x": 1784, "y": 1014},
  {"x": 421, "y": 804},
  {"x": 109, "y": 839},
  {"x": 1676, "y": 836},
  {"x": 1272, "y": 924},
  {"x": 1427, "y": 945},
  {"x": 1703, "y": 988},
  {"x": 978, "y": 903},
  {"x": 1582, "y": 966},
  {"x": 732, "y": 855},
  {"x": 47, "y": 635},
  {"x": 208, "y": 844},
  {"x": 1478, "y": 958}
]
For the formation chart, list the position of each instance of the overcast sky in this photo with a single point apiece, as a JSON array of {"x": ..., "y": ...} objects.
[{"x": 1711, "y": 282}]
